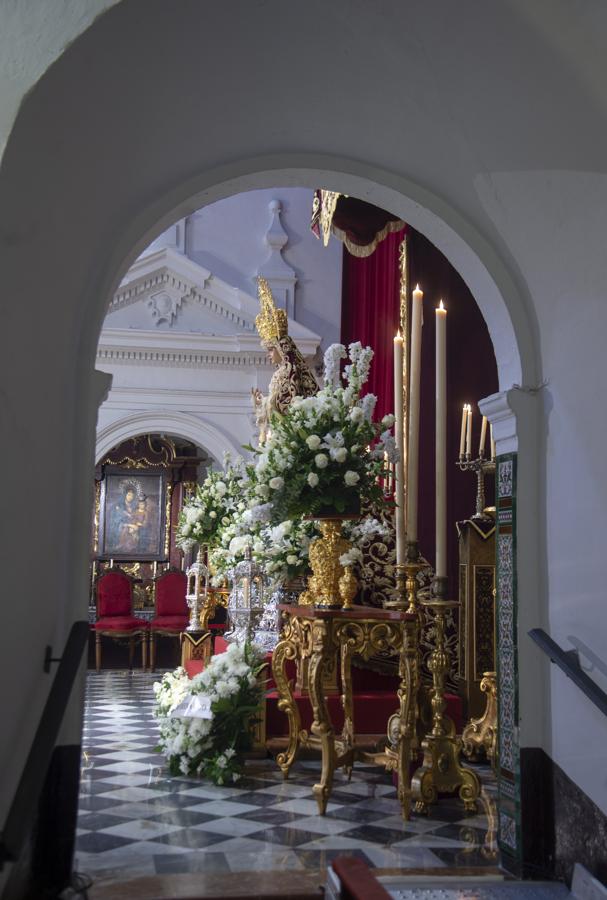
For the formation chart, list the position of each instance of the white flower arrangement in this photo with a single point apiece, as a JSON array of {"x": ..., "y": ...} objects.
[
  {"x": 210, "y": 744},
  {"x": 325, "y": 451},
  {"x": 214, "y": 504}
]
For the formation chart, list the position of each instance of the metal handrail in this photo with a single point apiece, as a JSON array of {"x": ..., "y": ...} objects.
[
  {"x": 25, "y": 802},
  {"x": 568, "y": 662}
]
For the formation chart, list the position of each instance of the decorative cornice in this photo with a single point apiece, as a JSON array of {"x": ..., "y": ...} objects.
[
  {"x": 131, "y": 346},
  {"x": 168, "y": 272},
  {"x": 510, "y": 412}
]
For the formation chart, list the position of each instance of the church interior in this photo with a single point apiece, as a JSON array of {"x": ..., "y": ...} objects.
[{"x": 317, "y": 403}]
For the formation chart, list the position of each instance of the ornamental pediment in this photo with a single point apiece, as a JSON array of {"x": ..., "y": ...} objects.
[{"x": 166, "y": 292}]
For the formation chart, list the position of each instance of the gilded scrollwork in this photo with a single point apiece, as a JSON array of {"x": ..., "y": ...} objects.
[{"x": 284, "y": 650}]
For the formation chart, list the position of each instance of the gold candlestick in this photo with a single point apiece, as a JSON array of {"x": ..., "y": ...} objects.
[
  {"x": 441, "y": 771},
  {"x": 405, "y": 575}
]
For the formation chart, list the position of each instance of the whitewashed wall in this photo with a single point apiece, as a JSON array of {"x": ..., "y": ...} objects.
[
  {"x": 484, "y": 126},
  {"x": 179, "y": 337}
]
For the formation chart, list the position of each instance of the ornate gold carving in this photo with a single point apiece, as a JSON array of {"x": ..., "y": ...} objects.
[
  {"x": 287, "y": 648},
  {"x": 96, "y": 517},
  {"x": 348, "y": 586},
  {"x": 441, "y": 770},
  {"x": 131, "y": 463},
  {"x": 317, "y": 640},
  {"x": 271, "y": 323},
  {"x": 328, "y": 204},
  {"x": 481, "y": 734},
  {"x": 167, "y": 520},
  {"x": 324, "y": 583},
  {"x": 207, "y": 612}
]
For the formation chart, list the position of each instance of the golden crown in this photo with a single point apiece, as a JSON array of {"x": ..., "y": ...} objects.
[{"x": 271, "y": 323}]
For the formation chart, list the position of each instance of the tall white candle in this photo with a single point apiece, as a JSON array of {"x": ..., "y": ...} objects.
[
  {"x": 483, "y": 440},
  {"x": 414, "y": 388},
  {"x": 462, "y": 436},
  {"x": 492, "y": 442},
  {"x": 441, "y": 441},
  {"x": 469, "y": 433},
  {"x": 399, "y": 473}
]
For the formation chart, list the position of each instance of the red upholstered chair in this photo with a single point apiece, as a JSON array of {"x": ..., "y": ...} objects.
[
  {"x": 172, "y": 613},
  {"x": 115, "y": 619}
]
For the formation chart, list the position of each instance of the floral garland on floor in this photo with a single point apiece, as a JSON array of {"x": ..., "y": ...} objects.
[{"x": 206, "y": 722}]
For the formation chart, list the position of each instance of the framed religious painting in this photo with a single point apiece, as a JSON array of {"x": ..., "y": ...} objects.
[{"x": 132, "y": 515}]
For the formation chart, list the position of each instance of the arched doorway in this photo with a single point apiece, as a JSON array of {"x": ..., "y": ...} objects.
[{"x": 127, "y": 205}]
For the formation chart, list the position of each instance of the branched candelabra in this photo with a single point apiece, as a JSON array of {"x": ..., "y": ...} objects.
[{"x": 481, "y": 467}]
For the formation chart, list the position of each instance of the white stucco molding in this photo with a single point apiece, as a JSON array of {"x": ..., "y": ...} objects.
[
  {"x": 163, "y": 421},
  {"x": 165, "y": 278},
  {"x": 191, "y": 350},
  {"x": 511, "y": 413},
  {"x": 278, "y": 273}
]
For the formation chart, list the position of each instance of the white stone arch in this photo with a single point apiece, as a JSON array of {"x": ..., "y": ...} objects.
[
  {"x": 163, "y": 421},
  {"x": 82, "y": 131}
]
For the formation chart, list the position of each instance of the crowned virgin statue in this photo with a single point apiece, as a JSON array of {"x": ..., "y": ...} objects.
[{"x": 293, "y": 377}]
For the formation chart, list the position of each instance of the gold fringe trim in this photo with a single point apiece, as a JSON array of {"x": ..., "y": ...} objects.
[{"x": 367, "y": 249}]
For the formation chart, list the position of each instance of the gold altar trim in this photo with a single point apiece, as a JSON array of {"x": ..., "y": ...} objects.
[
  {"x": 329, "y": 637},
  {"x": 363, "y": 251},
  {"x": 485, "y": 535}
]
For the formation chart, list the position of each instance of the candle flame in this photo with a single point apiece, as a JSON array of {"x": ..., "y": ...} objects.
[{"x": 441, "y": 305}]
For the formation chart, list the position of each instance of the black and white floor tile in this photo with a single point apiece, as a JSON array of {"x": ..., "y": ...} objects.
[{"x": 134, "y": 819}]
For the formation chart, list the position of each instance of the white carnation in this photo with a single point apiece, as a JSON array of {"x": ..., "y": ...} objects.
[{"x": 313, "y": 442}]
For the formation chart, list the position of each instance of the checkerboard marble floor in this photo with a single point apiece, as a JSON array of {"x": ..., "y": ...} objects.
[{"x": 134, "y": 819}]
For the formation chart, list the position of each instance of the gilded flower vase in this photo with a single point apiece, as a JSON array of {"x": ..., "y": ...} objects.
[{"x": 331, "y": 585}]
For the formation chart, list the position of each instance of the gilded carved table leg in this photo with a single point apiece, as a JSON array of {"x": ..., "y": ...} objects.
[
  {"x": 407, "y": 694},
  {"x": 347, "y": 735},
  {"x": 284, "y": 650},
  {"x": 320, "y": 659}
]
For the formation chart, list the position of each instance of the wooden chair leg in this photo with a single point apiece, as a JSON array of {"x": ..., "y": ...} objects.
[
  {"x": 152, "y": 652},
  {"x": 97, "y": 650},
  {"x": 131, "y": 652}
]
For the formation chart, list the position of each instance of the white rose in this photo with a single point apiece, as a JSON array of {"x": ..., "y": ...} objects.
[
  {"x": 312, "y": 479},
  {"x": 277, "y": 483},
  {"x": 213, "y": 514},
  {"x": 313, "y": 442},
  {"x": 388, "y": 421},
  {"x": 292, "y": 560},
  {"x": 351, "y": 478},
  {"x": 321, "y": 460},
  {"x": 340, "y": 454},
  {"x": 220, "y": 488}
]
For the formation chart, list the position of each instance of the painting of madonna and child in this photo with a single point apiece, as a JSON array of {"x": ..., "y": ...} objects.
[{"x": 131, "y": 517}]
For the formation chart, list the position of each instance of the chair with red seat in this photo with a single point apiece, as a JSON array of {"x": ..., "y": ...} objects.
[
  {"x": 115, "y": 619},
  {"x": 172, "y": 613}
]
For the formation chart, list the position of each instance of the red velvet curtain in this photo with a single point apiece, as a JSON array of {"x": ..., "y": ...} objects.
[{"x": 370, "y": 312}]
